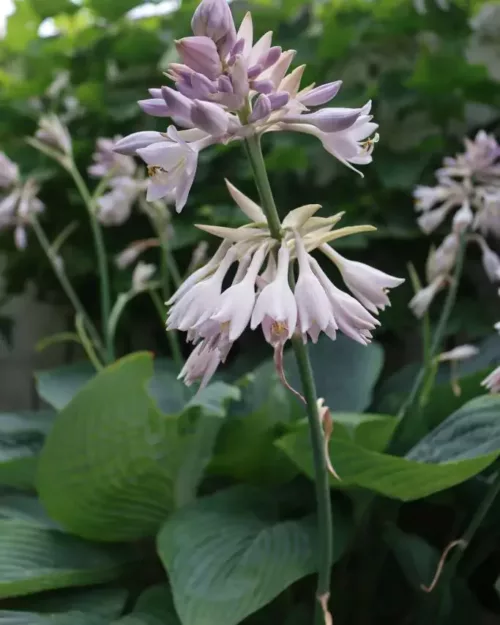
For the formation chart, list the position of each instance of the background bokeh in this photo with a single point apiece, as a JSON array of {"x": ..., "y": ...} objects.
[{"x": 433, "y": 76}]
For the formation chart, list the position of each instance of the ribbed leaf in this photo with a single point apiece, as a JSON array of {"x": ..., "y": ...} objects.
[
  {"x": 472, "y": 431},
  {"x": 154, "y": 607},
  {"x": 106, "y": 602},
  {"x": 12, "y": 617},
  {"x": 58, "y": 386},
  {"x": 344, "y": 371},
  {"x": 25, "y": 508},
  {"x": 34, "y": 559},
  {"x": 113, "y": 466},
  {"x": 228, "y": 555},
  {"x": 21, "y": 438},
  {"x": 399, "y": 478}
]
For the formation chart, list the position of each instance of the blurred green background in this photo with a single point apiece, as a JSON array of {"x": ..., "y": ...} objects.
[{"x": 434, "y": 77}]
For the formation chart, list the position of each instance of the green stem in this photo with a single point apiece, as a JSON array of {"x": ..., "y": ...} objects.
[
  {"x": 101, "y": 259},
  {"x": 325, "y": 528},
  {"x": 322, "y": 482},
  {"x": 256, "y": 158},
  {"x": 64, "y": 281},
  {"x": 172, "y": 335},
  {"x": 403, "y": 430}
]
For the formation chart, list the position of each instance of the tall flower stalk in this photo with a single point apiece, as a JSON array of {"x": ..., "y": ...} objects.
[{"x": 228, "y": 88}]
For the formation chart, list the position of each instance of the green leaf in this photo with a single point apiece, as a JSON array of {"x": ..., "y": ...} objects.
[
  {"x": 228, "y": 555},
  {"x": 345, "y": 372},
  {"x": 12, "y": 617},
  {"x": 21, "y": 438},
  {"x": 245, "y": 448},
  {"x": 209, "y": 408},
  {"x": 470, "y": 432},
  {"x": 111, "y": 9},
  {"x": 22, "y": 26},
  {"x": 33, "y": 559},
  {"x": 25, "y": 508},
  {"x": 170, "y": 394},
  {"x": 113, "y": 466},
  {"x": 416, "y": 557},
  {"x": 49, "y": 8},
  {"x": 58, "y": 386},
  {"x": 154, "y": 607},
  {"x": 105, "y": 602},
  {"x": 400, "y": 478}
]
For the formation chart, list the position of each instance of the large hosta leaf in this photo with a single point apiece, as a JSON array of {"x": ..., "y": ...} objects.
[
  {"x": 228, "y": 555},
  {"x": 470, "y": 432},
  {"x": 13, "y": 617},
  {"x": 33, "y": 558},
  {"x": 21, "y": 438},
  {"x": 58, "y": 386},
  {"x": 344, "y": 371},
  {"x": 113, "y": 466},
  {"x": 154, "y": 607},
  {"x": 428, "y": 468}
]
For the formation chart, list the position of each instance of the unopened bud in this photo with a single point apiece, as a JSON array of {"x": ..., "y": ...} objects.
[
  {"x": 213, "y": 19},
  {"x": 201, "y": 55}
]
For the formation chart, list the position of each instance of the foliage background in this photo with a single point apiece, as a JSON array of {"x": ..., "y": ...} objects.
[
  {"x": 433, "y": 78},
  {"x": 125, "y": 477}
]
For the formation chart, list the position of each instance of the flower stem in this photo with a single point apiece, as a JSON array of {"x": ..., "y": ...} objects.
[
  {"x": 101, "y": 259},
  {"x": 256, "y": 158},
  {"x": 325, "y": 528},
  {"x": 64, "y": 281},
  {"x": 402, "y": 434}
]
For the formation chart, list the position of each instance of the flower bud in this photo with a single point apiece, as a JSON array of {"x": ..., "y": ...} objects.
[
  {"x": 9, "y": 171},
  {"x": 52, "y": 133},
  {"x": 261, "y": 109},
  {"x": 213, "y": 19},
  {"x": 201, "y": 55},
  {"x": 210, "y": 117},
  {"x": 321, "y": 95}
]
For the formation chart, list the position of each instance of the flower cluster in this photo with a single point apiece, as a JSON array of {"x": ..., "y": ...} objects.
[
  {"x": 122, "y": 179},
  {"x": 228, "y": 87},
  {"x": 261, "y": 294},
  {"x": 469, "y": 189},
  {"x": 18, "y": 201}
]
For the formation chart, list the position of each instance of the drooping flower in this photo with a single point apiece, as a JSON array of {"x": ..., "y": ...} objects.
[
  {"x": 214, "y": 316},
  {"x": 141, "y": 276},
  {"x": 108, "y": 162},
  {"x": 9, "y": 172}
]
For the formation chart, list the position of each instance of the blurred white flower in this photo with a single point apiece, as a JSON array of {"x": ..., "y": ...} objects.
[{"x": 141, "y": 275}]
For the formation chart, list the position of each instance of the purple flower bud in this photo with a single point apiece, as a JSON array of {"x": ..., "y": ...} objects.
[
  {"x": 20, "y": 238},
  {"x": 201, "y": 82},
  {"x": 225, "y": 85},
  {"x": 271, "y": 57},
  {"x": 137, "y": 140},
  {"x": 178, "y": 104},
  {"x": 238, "y": 48},
  {"x": 327, "y": 120},
  {"x": 210, "y": 117},
  {"x": 263, "y": 86},
  {"x": 261, "y": 109},
  {"x": 279, "y": 99},
  {"x": 254, "y": 71},
  {"x": 213, "y": 19},
  {"x": 201, "y": 55},
  {"x": 155, "y": 107},
  {"x": 322, "y": 94},
  {"x": 155, "y": 93}
]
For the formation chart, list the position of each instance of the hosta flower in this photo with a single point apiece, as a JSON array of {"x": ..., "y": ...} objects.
[
  {"x": 107, "y": 162},
  {"x": 468, "y": 191},
  {"x": 52, "y": 133},
  {"x": 215, "y": 317},
  {"x": 9, "y": 172},
  {"x": 230, "y": 86},
  {"x": 17, "y": 209},
  {"x": 115, "y": 207},
  {"x": 141, "y": 276}
]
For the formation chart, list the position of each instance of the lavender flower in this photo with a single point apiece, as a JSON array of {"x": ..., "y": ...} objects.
[
  {"x": 107, "y": 162},
  {"x": 214, "y": 318},
  {"x": 228, "y": 87},
  {"x": 18, "y": 207},
  {"x": 9, "y": 172},
  {"x": 468, "y": 189}
]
